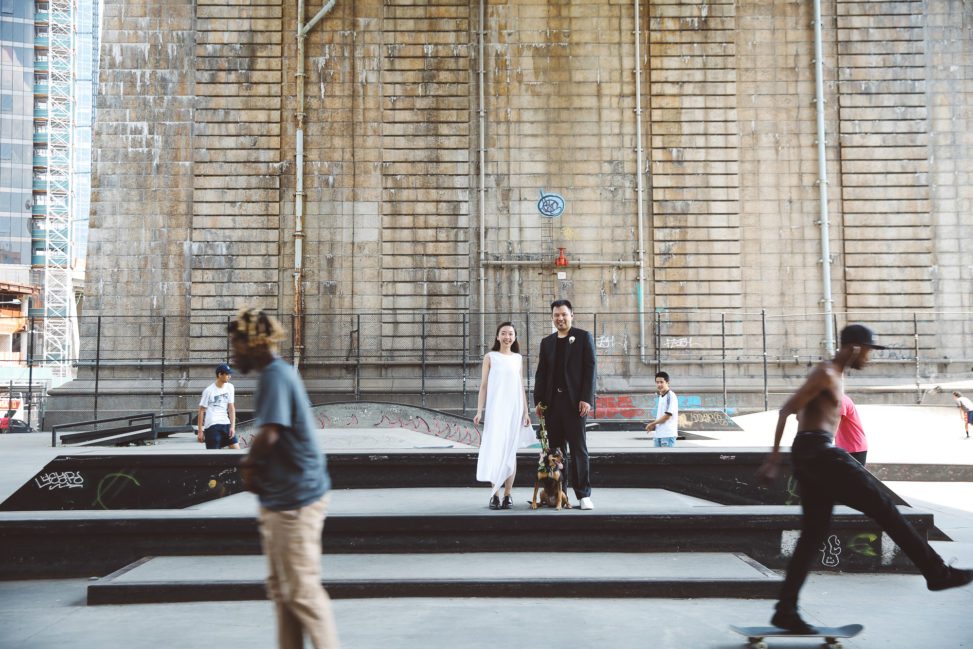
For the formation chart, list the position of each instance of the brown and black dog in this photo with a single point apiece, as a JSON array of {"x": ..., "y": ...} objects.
[{"x": 549, "y": 479}]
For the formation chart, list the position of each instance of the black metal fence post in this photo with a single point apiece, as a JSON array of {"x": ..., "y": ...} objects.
[
  {"x": 594, "y": 396},
  {"x": 30, "y": 368},
  {"x": 915, "y": 338},
  {"x": 658, "y": 341},
  {"x": 465, "y": 322},
  {"x": 357, "y": 357},
  {"x": 723, "y": 354},
  {"x": 423, "y": 337},
  {"x": 97, "y": 363},
  {"x": 527, "y": 353},
  {"x": 162, "y": 373},
  {"x": 763, "y": 329}
]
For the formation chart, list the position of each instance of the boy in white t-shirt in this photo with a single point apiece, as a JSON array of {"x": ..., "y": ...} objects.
[
  {"x": 666, "y": 413},
  {"x": 216, "y": 422}
]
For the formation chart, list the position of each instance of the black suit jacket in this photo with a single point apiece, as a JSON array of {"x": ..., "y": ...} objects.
[{"x": 579, "y": 368}]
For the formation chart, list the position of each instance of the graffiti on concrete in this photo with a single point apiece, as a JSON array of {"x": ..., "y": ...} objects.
[
  {"x": 622, "y": 406},
  {"x": 60, "y": 480},
  {"x": 605, "y": 342},
  {"x": 793, "y": 496},
  {"x": 550, "y": 205},
  {"x": 224, "y": 483},
  {"x": 866, "y": 544},
  {"x": 706, "y": 420},
  {"x": 683, "y": 342},
  {"x": 111, "y": 485},
  {"x": 437, "y": 427},
  {"x": 830, "y": 550},
  {"x": 693, "y": 412},
  {"x": 366, "y": 414}
]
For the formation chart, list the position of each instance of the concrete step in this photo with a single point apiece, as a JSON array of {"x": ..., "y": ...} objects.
[
  {"x": 440, "y": 521},
  {"x": 467, "y": 574}
]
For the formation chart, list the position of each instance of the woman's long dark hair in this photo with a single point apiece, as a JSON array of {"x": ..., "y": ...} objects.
[{"x": 515, "y": 348}]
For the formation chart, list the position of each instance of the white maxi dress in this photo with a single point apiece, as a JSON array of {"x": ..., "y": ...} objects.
[{"x": 503, "y": 429}]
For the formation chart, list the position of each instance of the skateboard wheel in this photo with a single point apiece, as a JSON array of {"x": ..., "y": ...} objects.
[{"x": 760, "y": 645}]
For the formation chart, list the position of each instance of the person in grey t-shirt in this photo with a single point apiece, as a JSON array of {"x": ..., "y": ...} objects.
[{"x": 288, "y": 472}]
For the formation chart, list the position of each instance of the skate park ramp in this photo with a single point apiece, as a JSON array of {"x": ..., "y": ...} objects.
[{"x": 345, "y": 422}]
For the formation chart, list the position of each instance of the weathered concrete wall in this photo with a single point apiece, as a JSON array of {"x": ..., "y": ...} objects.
[{"x": 193, "y": 212}]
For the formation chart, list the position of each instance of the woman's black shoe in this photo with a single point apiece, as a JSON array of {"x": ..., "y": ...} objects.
[
  {"x": 508, "y": 502},
  {"x": 495, "y": 502}
]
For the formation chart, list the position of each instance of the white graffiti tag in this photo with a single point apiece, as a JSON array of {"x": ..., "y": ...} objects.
[
  {"x": 61, "y": 480},
  {"x": 679, "y": 343},
  {"x": 605, "y": 342}
]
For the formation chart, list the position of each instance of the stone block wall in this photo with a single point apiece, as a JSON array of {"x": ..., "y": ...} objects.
[{"x": 193, "y": 212}]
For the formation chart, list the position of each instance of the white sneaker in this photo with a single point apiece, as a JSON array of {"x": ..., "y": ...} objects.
[{"x": 586, "y": 503}]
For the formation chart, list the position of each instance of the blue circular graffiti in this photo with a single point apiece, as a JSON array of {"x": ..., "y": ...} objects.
[{"x": 550, "y": 205}]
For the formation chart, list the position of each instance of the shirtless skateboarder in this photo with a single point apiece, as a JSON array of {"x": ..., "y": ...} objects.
[{"x": 827, "y": 475}]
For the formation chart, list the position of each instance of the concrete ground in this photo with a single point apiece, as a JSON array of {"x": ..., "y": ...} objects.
[
  {"x": 896, "y": 610},
  {"x": 897, "y": 613}
]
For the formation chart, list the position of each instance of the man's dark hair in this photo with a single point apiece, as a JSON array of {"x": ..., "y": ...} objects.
[
  {"x": 662, "y": 375},
  {"x": 556, "y": 303}
]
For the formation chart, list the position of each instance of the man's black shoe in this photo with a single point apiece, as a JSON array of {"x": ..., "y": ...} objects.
[
  {"x": 790, "y": 620},
  {"x": 952, "y": 578}
]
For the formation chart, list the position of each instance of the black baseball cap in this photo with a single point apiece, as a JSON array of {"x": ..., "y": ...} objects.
[
  {"x": 223, "y": 368},
  {"x": 857, "y": 334}
]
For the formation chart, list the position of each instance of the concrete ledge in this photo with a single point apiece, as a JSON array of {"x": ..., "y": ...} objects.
[
  {"x": 34, "y": 544},
  {"x": 510, "y": 574},
  {"x": 158, "y": 480}
]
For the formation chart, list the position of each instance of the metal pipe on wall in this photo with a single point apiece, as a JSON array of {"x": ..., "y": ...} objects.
[
  {"x": 823, "y": 182},
  {"x": 481, "y": 157},
  {"x": 640, "y": 188},
  {"x": 499, "y": 263},
  {"x": 303, "y": 29}
]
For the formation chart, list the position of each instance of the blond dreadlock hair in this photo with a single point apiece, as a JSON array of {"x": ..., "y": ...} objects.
[{"x": 257, "y": 328}]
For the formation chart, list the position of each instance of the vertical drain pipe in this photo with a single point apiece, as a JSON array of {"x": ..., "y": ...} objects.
[
  {"x": 640, "y": 188},
  {"x": 823, "y": 183},
  {"x": 482, "y": 161},
  {"x": 298, "y": 324},
  {"x": 302, "y": 31}
]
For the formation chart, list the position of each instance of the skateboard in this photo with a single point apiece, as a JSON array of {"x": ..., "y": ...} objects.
[{"x": 830, "y": 634}]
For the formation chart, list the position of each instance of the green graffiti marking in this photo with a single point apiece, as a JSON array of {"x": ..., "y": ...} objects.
[
  {"x": 793, "y": 497},
  {"x": 864, "y": 544},
  {"x": 109, "y": 481}
]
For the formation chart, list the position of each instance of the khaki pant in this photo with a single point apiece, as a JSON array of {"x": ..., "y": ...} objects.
[{"x": 292, "y": 542}]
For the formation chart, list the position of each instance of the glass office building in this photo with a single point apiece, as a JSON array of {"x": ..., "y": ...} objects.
[
  {"x": 20, "y": 150},
  {"x": 48, "y": 74}
]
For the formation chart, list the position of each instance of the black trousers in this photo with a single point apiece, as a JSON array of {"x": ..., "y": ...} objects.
[
  {"x": 827, "y": 475},
  {"x": 565, "y": 430}
]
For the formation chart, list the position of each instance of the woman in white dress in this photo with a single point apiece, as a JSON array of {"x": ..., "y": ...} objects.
[{"x": 506, "y": 424}]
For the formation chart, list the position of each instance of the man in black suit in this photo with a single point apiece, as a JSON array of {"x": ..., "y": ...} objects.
[{"x": 564, "y": 389}]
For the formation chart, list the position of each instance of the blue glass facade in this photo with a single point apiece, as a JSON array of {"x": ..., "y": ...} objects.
[{"x": 17, "y": 143}]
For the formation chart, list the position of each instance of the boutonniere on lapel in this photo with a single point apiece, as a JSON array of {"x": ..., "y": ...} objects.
[{"x": 570, "y": 339}]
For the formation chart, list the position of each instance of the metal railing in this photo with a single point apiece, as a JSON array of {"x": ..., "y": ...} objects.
[{"x": 427, "y": 353}]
